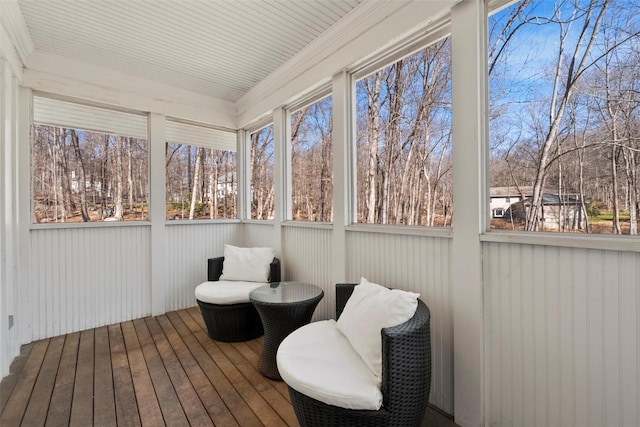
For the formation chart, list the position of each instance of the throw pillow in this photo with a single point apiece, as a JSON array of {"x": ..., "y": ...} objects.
[
  {"x": 247, "y": 264},
  {"x": 370, "y": 308}
]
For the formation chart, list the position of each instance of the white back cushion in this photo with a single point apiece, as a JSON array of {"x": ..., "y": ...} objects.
[
  {"x": 247, "y": 264},
  {"x": 370, "y": 308}
]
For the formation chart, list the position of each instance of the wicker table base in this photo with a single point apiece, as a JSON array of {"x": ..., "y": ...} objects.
[{"x": 283, "y": 308}]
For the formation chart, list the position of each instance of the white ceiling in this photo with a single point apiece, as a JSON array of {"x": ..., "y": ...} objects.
[{"x": 218, "y": 48}]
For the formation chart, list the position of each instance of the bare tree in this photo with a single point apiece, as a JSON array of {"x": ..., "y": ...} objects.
[
  {"x": 196, "y": 181},
  {"x": 82, "y": 188},
  {"x": 118, "y": 213}
]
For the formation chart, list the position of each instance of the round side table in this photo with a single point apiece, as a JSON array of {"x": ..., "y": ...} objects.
[{"x": 283, "y": 307}]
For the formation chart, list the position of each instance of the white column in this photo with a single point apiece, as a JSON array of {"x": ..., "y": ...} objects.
[
  {"x": 469, "y": 101},
  {"x": 242, "y": 197},
  {"x": 4, "y": 284},
  {"x": 342, "y": 136},
  {"x": 11, "y": 147},
  {"x": 24, "y": 318},
  {"x": 279, "y": 138},
  {"x": 157, "y": 212}
]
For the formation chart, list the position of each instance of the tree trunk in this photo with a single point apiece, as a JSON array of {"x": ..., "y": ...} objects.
[
  {"x": 373, "y": 94},
  {"x": 325, "y": 176},
  {"x": 214, "y": 178},
  {"x": 118, "y": 214},
  {"x": 104, "y": 185},
  {"x": 562, "y": 94},
  {"x": 632, "y": 197},
  {"x": 130, "y": 173},
  {"x": 82, "y": 179},
  {"x": 196, "y": 181}
]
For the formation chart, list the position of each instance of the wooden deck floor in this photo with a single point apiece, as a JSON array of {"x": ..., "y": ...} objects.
[{"x": 155, "y": 371}]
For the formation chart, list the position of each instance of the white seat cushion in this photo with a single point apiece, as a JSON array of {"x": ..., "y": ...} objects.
[
  {"x": 225, "y": 292},
  {"x": 318, "y": 361}
]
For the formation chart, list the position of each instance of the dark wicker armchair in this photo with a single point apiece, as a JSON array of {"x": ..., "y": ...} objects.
[
  {"x": 406, "y": 378},
  {"x": 233, "y": 322}
]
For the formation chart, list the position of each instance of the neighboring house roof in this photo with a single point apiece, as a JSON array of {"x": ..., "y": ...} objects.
[
  {"x": 523, "y": 191},
  {"x": 554, "y": 199},
  {"x": 526, "y": 191}
]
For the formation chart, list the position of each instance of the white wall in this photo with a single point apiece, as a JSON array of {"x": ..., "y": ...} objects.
[
  {"x": 562, "y": 336},
  {"x": 420, "y": 264},
  {"x": 9, "y": 149},
  {"x": 80, "y": 278},
  {"x": 188, "y": 246}
]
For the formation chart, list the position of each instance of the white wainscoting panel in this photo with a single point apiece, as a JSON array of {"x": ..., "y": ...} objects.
[
  {"x": 562, "y": 336},
  {"x": 419, "y": 264},
  {"x": 258, "y": 234},
  {"x": 82, "y": 278},
  {"x": 188, "y": 247},
  {"x": 307, "y": 258}
]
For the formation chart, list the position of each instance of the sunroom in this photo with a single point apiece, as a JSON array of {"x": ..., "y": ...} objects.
[{"x": 358, "y": 138}]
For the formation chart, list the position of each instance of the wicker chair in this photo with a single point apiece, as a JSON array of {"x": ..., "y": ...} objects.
[
  {"x": 233, "y": 322},
  {"x": 406, "y": 378}
]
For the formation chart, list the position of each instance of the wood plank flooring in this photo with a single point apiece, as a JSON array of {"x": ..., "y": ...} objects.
[{"x": 156, "y": 371}]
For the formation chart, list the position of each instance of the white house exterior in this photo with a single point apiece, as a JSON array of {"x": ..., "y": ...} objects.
[
  {"x": 558, "y": 212},
  {"x": 503, "y": 197}
]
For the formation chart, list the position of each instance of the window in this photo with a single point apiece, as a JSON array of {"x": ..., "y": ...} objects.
[
  {"x": 403, "y": 132},
  {"x": 201, "y": 172},
  {"x": 498, "y": 213},
  {"x": 564, "y": 117},
  {"x": 261, "y": 165},
  {"x": 312, "y": 162},
  {"x": 89, "y": 164}
]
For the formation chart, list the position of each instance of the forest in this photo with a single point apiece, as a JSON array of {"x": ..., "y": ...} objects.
[
  {"x": 564, "y": 139},
  {"x": 564, "y": 111},
  {"x": 201, "y": 182},
  {"x": 83, "y": 176}
]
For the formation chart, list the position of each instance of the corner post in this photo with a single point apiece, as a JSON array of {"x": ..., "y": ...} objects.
[
  {"x": 341, "y": 145},
  {"x": 157, "y": 212},
  {"x": 469, "y": 100}
]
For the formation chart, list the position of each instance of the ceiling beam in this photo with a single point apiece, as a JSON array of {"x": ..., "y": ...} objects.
[
  {"x": 16, "y": 28},
  {"x": 71, "y": 78}
]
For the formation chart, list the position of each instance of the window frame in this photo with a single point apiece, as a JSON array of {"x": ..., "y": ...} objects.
[
  {"x": 438, "y": 30},
  {"x": 205, "y": 127},
  {"x": 601, "y": 242},
  {"x": 83, "y": 103},
  {"x": 319, "y": 94},
  {"x": 244, "y": 208}
]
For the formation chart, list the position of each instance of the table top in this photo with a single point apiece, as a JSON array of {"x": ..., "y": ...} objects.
[{"x": 285, "y": 293}]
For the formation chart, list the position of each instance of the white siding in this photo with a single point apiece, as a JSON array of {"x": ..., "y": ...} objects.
[
  {"x": 308, "y": 259},
  {"x": 258, "y": 234},
  {"x": 86, "y": 277},
  {"x": 188, "y": 247},
  {"x": 561, "y": 336},
  {"x": 418, "y": 264}
]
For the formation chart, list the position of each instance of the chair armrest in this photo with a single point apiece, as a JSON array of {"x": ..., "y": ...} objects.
[
  {"x": 406, "y": 361},
  {"x": 274, "y": 270},
  {"x": 343, "y": 293},
  {"x": 214, "y": 270}
]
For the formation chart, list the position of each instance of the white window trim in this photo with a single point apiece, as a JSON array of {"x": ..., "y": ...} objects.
[
  {"x": 323, "y": 92},
  {"x": 603, "y": 242},
  {"x": 245, "y": 213}
]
